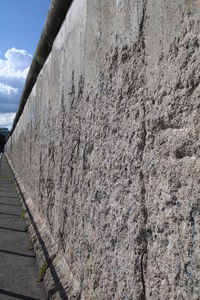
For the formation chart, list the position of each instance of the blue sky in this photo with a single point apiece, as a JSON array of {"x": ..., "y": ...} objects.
[{"x": 21, "y": 23}]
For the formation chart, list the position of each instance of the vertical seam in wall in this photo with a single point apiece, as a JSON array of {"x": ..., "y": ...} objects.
[{"x": 143, "y": 191}]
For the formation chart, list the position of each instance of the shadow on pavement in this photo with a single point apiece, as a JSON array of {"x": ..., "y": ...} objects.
[
  {"x": 1, "y": 203},
  {"x": 58, "y": 285},
  {"x": 14, "y": 295},
  {"x": 15, "y": 253},
  {"x": 6, "y": 214},
  {"x": 12, "y": 229}
]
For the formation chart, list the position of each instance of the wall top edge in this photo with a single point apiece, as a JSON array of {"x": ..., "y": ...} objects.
[{"x": 56, "y": 15}]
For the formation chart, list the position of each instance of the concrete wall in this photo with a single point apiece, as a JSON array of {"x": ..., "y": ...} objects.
[{"x": 108, "y": 150}]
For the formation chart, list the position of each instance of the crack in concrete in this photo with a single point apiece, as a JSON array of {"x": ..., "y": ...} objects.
[
  {"x": 71, "y": 157},
  {"x": 144, "y": 137},
  {"x": 142, "y": 273},
  {"x": 141, "y": 28}
]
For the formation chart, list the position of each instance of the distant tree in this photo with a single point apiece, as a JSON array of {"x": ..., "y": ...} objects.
[{"x": 2, "y": 142}]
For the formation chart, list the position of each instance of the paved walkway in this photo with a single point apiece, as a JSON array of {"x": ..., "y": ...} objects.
[{"x": 18, "y": 266}]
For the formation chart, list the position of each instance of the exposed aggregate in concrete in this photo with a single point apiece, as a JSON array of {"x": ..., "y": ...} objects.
[{"x": 108, "y": 152}]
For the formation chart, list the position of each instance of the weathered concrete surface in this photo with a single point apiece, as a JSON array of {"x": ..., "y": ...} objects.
[{"x": 107, "y": 150}]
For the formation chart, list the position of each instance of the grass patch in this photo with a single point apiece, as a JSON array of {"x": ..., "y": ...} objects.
[
  {"x": 22, "y": 216},
  {"x": 32, "y": 243},
  {"x": 42, "y": 271}
]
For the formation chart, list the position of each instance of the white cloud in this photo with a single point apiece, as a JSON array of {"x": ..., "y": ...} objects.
[
  {"x": 6, "y": 120},
  {"x": 13, "y": 71},
  {"x": 7, "y": 90},
  {"x": 16, "y": 64}
]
